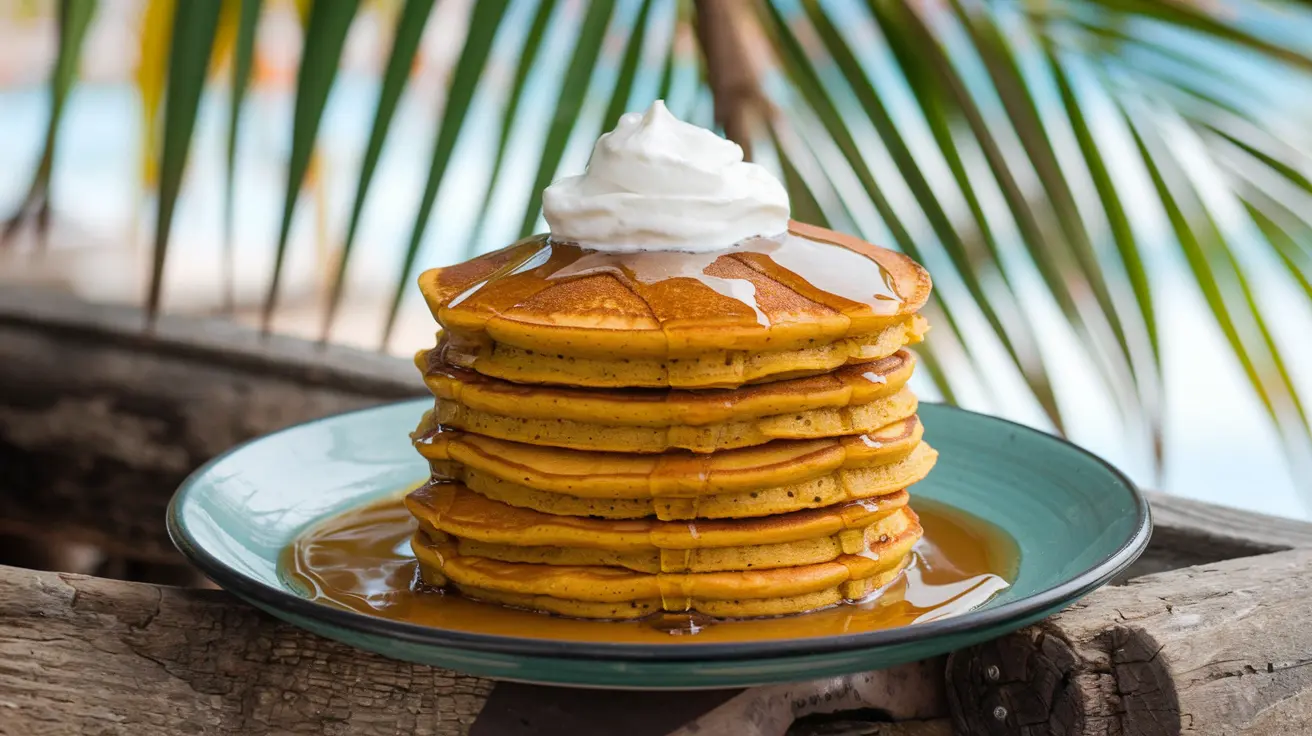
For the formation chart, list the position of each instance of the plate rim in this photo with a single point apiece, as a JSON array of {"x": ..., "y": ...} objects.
[{"x": 280, "y": 599}]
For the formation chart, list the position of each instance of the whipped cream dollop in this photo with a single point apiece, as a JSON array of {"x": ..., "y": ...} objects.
[{"x": 656, "y": 183}]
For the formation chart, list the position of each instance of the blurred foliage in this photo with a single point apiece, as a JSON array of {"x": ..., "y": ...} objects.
[{"x": 1022, "y": 150}]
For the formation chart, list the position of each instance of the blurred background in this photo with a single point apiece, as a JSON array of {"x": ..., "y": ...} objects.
[{"x": 1114, "y": 197}]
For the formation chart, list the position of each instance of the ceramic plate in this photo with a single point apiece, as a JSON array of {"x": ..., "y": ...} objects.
[{"x": 1076, "y": 521}]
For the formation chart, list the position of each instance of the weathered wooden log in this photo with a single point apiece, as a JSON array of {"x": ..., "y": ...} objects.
[
  {"x": 100, "y": 419},
  {"x": 87, "y": 655},
  {"x": 81, "y": 654},
  {"x": 1187, "y": 533},
  {"x": 1215, "y": 649},
  {"x": 1218, "y": 649}
]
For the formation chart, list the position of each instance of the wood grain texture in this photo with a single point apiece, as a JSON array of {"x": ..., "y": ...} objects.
[
  {"x": 100, "y": 421},
  {"x": 1188, "y": 532},
  {"x": 86, "y": 655},
  {"x": 1214, "y": 649},
  {"x": 1223, "y": 648}
]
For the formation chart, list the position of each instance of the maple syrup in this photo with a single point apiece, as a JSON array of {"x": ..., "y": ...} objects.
[{"x": 361, "y": 561}]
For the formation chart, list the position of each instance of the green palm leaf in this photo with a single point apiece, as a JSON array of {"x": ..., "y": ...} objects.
[
  {"x": 812, "y": 89},
  {"x": 527, "y": 58},
  {"x": 325, "y": 35},
  {"x": 1208, "y": 21},
  {"x": 483, "y": 25},
  {"x": 805, "y": 205},
  {"x": 971, "y": 265},
  {"x": 1131, "y": 260},
  {"x": 1023, "y": 112},
  {"x": 242, "y": 57},
  {"x": 619, "y": 99},
  {"x": 1219, "y": 277},
  {"x": 569, "y": 103},
  {"x": 1036, "y": 105},
  {"x": 1297, "y": 261},
  {"x": 1057, "y": 271},
  {"x": 74, "y": 19},
  {"x": 1293, "y": 175},
  {"x": 405, "y": 44},
  {"x": 194, "y": 26}
]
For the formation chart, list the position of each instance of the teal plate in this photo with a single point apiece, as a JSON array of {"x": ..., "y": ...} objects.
[{"x": 1076, "y": 520}]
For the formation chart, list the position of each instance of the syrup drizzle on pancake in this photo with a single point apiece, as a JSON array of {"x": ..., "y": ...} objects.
[
  {"x": 838, "y": 272},
  {"x": 361, "y": 561}
]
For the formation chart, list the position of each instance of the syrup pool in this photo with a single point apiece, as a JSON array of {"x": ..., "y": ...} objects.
[{"x": 360, "y": 560}]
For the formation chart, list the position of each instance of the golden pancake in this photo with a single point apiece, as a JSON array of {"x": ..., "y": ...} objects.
[
  {"x": 723, "y": 369},
  {"x": 486, "y": 528},
  {"x": 715, "y": 559},
  {"x": 576, "y": 435},
  {"x": 617, "y": 593},
  {"x": 849, "y": 485},
  {"x": 809, "y": 300},
  {"x": 778, "y": 477},
  {"x": 620, "y": 434},
  {"x": 678, "y": 474},
  {"x": 848, "y": 386}
]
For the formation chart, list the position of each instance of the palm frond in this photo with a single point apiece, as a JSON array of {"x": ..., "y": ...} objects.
[
  {"x": 1224, "y": 285},
  {"x": 1131, "y": 259},
  {"x": 619, "y": 99},
  {"x": 194, "y": 27},
  {"x": 569, "y": 104},
  {"x": 1297, "y": 261},
  {"x": 1222, "y": 24},
  {"x": 528, "y": 57},
  {"x": 812, "y": 88},
  {"x": 410, "y": 24},
  {"x": 972, "y": 264},
  {"x": 1077, "y": 257},
  {"x": 74, "y": 19},
  {"x": 155, "y": 39},
  {"x": 1088, "y": 122},
  {"x": 1053, "y": 265},
  {"x": 483, "y": 25},
  {"x": 325, "y": 35},
  {"x": 242, "y": 58}
]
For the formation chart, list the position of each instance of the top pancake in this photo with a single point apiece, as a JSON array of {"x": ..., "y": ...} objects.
[{"x": 808, "y": 288}]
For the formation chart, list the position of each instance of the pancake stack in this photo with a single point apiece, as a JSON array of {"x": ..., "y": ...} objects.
[{"x": 727, "y": 433}]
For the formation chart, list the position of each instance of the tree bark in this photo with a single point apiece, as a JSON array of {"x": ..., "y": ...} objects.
[
  {"x": 86, "y": 655},
  {"x": 1216, "y": 649},
  {"x": 1187, "y": 532}
]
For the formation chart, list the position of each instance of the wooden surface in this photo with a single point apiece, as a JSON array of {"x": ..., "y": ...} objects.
[
  {"x": 86, "y": 655},
  {"x": 100, "y": 422},
  {"x": 1215, "y": 649},
  {"x": 1218, "y": 649},
  {"x": 1187, "y": 532}
]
